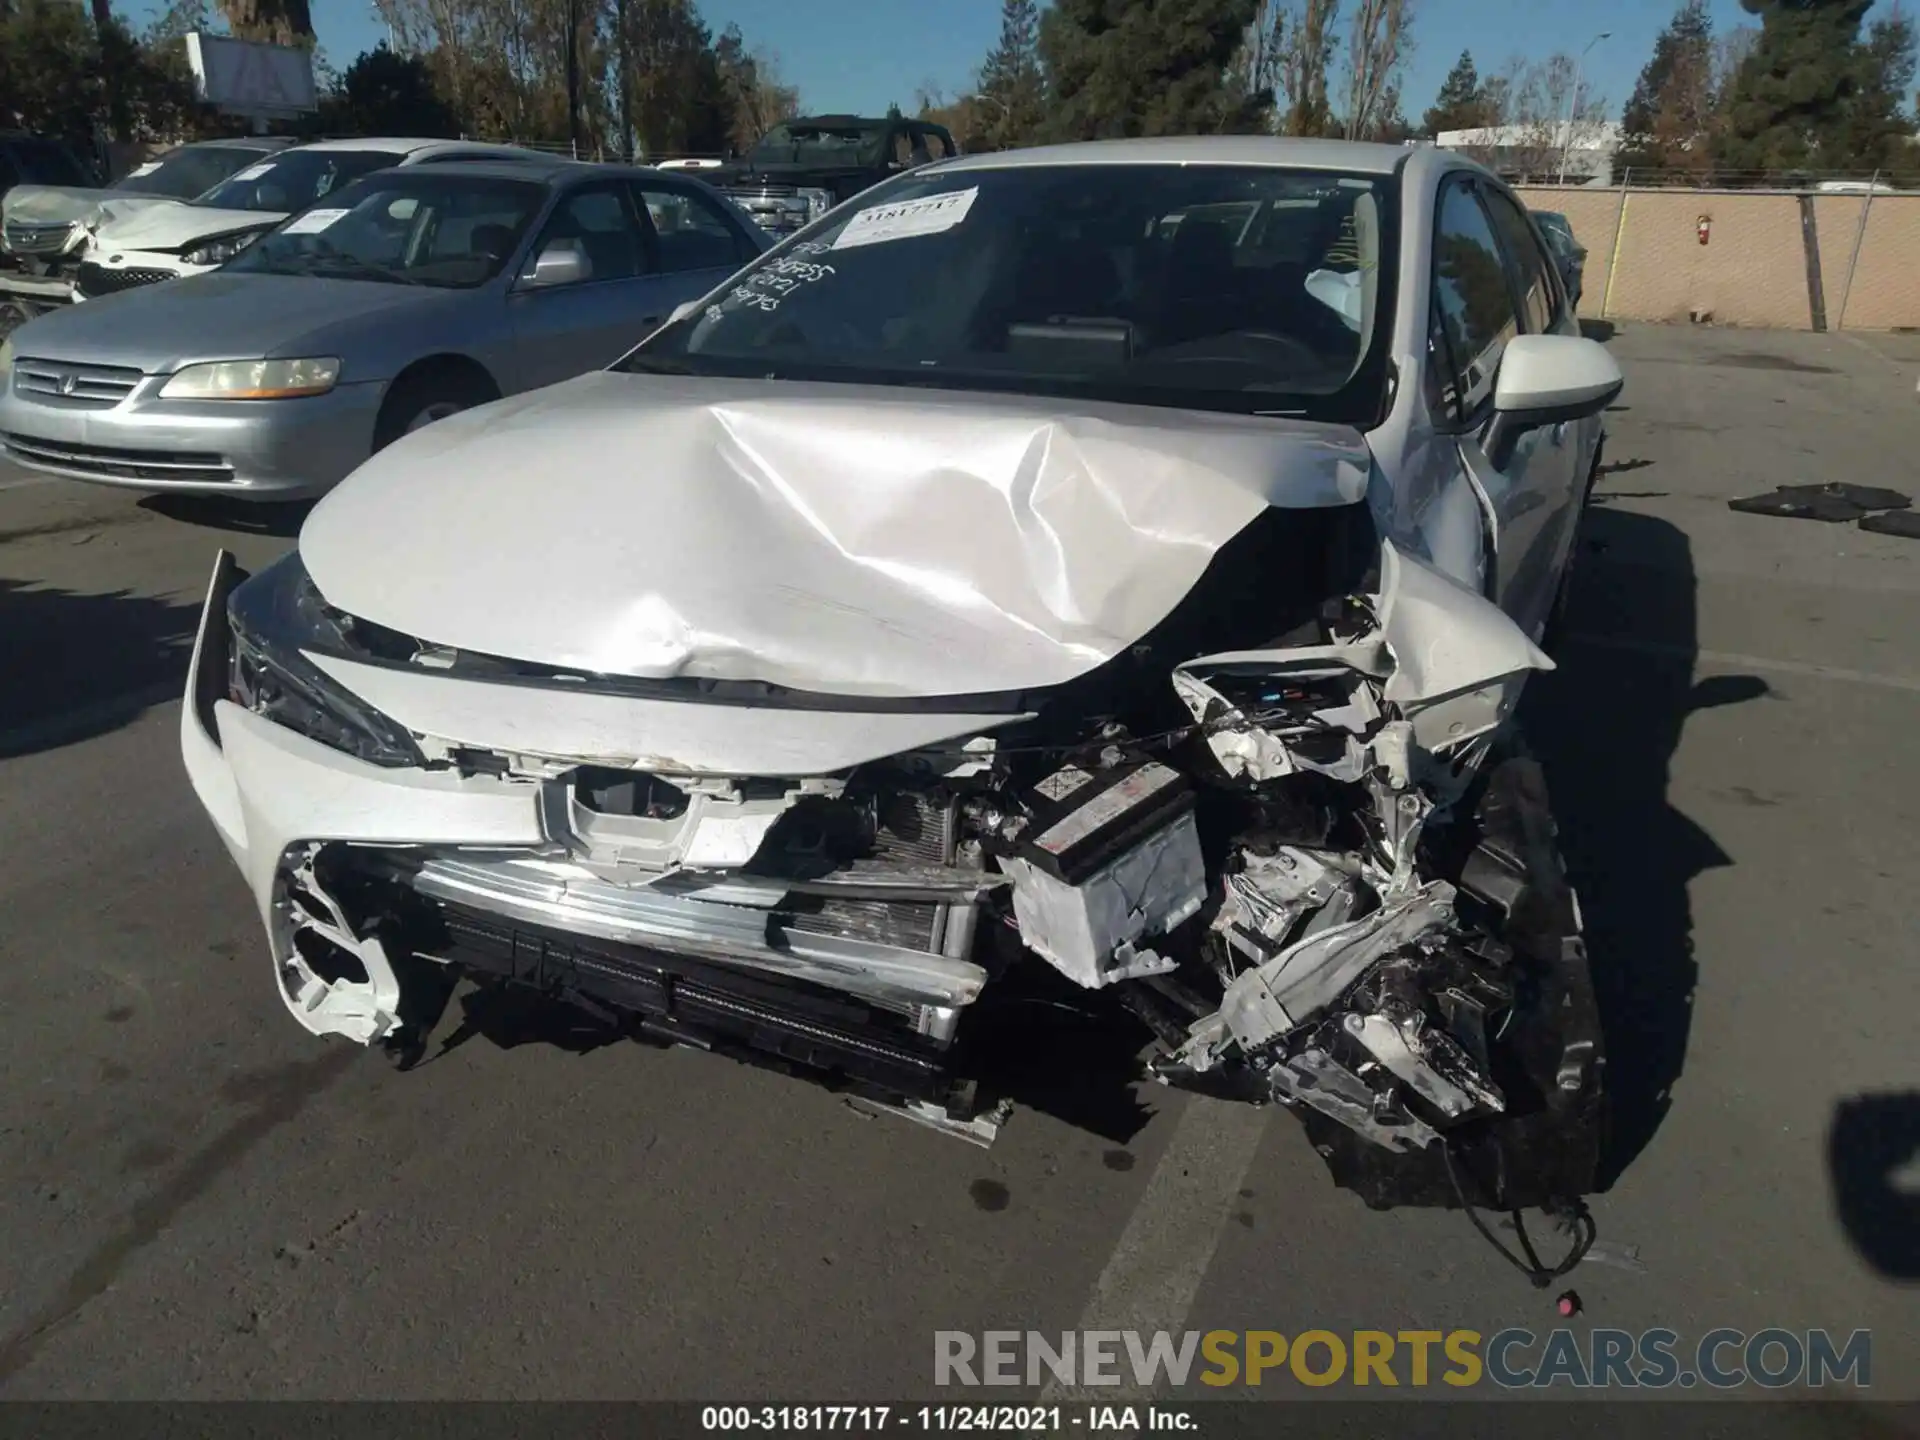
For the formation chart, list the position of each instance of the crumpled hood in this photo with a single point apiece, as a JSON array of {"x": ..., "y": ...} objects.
[
  {"x": 50, "y": 204},
  {"x": 173, "y": 227},
  {"x": 869, "y": 541}
]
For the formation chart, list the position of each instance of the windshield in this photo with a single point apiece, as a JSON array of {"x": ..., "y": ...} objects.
[
  {"x": 406, "y": 227},
  {"x": 295, "y": 179},
  {"x": 1213, "y": 287},
  {"x": 816, "y": 142},
  {"x": 184, "y": 173}
]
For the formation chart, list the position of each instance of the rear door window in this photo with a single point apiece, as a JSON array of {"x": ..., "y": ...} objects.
[
  {"x": 1529, "y": 268},
  {"x": 692, "y": 231}
]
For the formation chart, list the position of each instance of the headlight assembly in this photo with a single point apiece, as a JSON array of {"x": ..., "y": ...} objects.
[
  {"x": 6, "y": 361},
  {"x": 274, "y": 616},
  {"x": 818, "y": 202},
  {"x": 253, "y": 379},
  {"x": 221, "y": 249}
]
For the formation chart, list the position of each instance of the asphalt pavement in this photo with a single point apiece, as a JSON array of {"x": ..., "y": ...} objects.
[{"x": 198, "y": 1200}]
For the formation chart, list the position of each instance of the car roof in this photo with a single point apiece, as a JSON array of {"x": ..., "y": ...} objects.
[
  {"x": 543, "y": 169},
  {"x": 1279, "y": 151},
  {"x": 411, "y": 145},
  {"x": 237, "y": 142}
]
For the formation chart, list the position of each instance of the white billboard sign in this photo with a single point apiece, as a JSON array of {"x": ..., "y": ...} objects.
[{"x": 245, "y": 78}]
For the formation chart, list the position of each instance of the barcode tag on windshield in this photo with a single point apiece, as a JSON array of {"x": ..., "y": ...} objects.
[
  {"x": 311, "y": 223},
  {"x": 254, "y": 172},
  {"x": 906, "y": 219}
]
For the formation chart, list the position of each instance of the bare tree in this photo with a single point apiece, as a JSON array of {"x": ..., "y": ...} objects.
[
  {"x": 1530, "y": 102},
  {"x": 1306, "y": 55},
  {"x": 1377, "y": 49},
  {"x": 1257, "y": 66}
]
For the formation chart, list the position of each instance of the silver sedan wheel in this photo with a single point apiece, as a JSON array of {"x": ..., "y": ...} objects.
[{"x": 438, "y": 410}]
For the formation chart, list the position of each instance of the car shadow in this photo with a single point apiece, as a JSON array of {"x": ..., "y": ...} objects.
[
  {"x": 79, "y": 665},
  {"x": 247, "y": 517},
  {"x": 1606, "y": 724},
  {"x": 1873, "y": 1161}
]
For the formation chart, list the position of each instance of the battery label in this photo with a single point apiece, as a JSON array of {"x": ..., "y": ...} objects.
[{"x": 1105, "y": 808}]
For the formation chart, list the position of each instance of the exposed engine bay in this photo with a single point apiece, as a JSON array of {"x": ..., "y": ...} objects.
[{"x": 1317, "y": 871}]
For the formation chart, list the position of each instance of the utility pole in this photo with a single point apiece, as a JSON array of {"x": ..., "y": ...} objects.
[
  {"x": 1573, "y": 104},
  {"x": 574, "y": 135}
]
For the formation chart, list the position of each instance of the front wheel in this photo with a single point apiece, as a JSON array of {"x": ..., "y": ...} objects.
[{"x": 417, "y": 403}]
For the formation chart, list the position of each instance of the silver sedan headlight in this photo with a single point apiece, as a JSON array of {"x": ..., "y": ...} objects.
[
  {"x": 253, "y": 379},
  {"x": 818, "y": 202},
  {"x": 276, "y": 615}
]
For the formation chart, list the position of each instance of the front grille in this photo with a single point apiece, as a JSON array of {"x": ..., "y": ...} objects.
[
  {"x": 821, "y": 1032},
  {"x": 770, "y": 206},
  {"x": 95, "y": 279},
  {"x": 181, "y": 466},
  {"x": 59, "y": 382},
  {"x": 27, "y": 239}
]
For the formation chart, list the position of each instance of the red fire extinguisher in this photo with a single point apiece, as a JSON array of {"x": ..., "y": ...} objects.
[{"x": 1705, "y": 228}]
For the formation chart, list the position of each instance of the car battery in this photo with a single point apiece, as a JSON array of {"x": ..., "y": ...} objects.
[{"x": 1109, "y": 857}]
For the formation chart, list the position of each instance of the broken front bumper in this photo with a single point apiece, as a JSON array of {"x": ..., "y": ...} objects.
[{"x": 362, "y": 873}]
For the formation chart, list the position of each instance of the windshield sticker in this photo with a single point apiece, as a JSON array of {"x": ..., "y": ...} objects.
[
  {"x": 311, "y": 223},
  {"x": 930, "y": 216},
  {"x": 254, "y": 172}
]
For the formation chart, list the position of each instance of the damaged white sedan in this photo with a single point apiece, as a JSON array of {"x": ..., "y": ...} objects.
[{"x": 1116, "y": 564}]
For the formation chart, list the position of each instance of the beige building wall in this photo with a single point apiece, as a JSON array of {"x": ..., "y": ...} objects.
[
  {"x": 1886, "y": 283},
  {"x": 1645, "y": 260}
]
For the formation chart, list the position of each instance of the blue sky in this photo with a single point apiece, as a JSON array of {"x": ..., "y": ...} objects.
[{"x": 859, "y": 55}]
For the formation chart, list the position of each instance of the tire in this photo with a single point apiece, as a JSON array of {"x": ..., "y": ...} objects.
[
  {"x": 418, "y": 401},
  {"x": 14, "y": 314}
]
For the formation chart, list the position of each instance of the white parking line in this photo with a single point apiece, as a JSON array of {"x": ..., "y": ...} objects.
[
  {"x": 1157, "y": 1265},
  {"x": 1729, "y": 659}
]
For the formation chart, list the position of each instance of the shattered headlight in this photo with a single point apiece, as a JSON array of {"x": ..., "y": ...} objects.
[
  {"x": 253, "y": 379},
  {"x": 277, "y": 615},
  {"x": 220, "y": 249}
]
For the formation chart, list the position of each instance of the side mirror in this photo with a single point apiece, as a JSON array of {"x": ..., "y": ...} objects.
[
  {"x": 682, "y": 310},
  {"x": 563, "y": 262},
  {"x": 1546, "y": 380}
]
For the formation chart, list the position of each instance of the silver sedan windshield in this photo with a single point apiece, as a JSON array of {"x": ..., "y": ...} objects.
[{"x": 405, "y": 227}]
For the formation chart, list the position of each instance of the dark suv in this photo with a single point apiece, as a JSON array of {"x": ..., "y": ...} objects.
[
  {"x": 803, "y": 168},
  {"x": 32, "y": 160}
]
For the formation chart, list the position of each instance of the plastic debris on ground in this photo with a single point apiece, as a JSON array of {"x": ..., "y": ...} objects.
[
  {"x": 1896, "y": 522},
  {"x": 1835, "y": 502}
]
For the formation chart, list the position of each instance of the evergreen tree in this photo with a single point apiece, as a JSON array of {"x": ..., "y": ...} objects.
[
  {"x": 1012, "y": 89},
  {"x": 1463, "y": 102},
  {"x": 1670, "y": 112},
  {"x": 1147, "y": 67},
  {"x": 1807, "y": 99}
]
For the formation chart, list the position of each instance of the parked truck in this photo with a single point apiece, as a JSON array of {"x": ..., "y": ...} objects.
[{"x": 802, "y": 168}]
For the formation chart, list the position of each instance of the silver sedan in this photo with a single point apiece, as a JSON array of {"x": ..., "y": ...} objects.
[{"x": 404, "y": 298}]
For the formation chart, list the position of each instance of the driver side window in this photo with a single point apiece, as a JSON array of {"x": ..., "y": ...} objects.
[
  {"x": 596, "y": 222},
  {"x": 1473, "y": 312}
]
